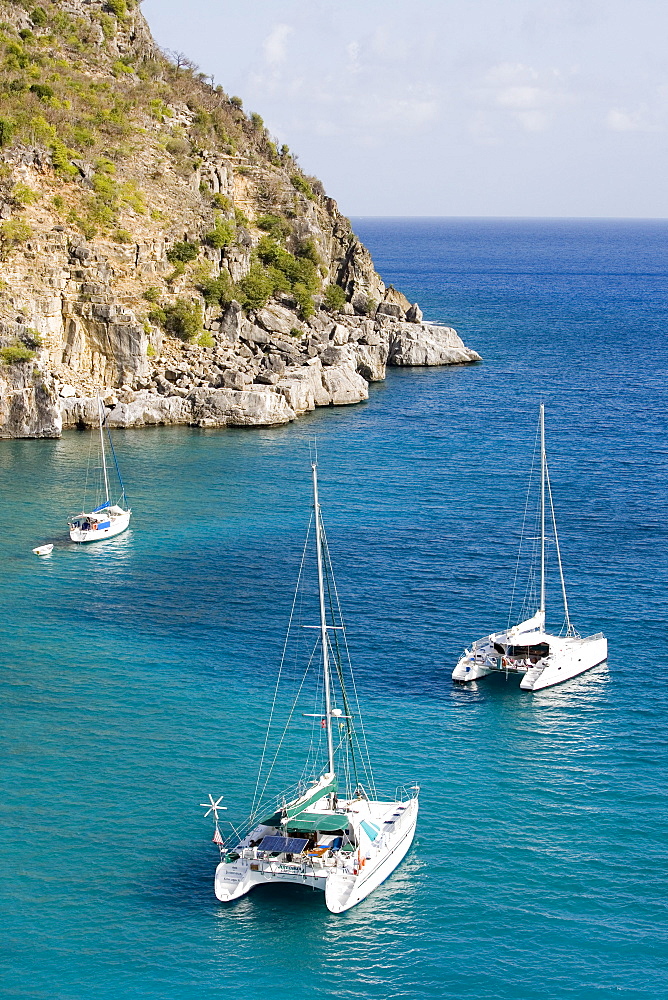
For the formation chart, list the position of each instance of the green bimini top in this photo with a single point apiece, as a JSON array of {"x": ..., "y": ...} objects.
[{"x": 322, "y": 822}]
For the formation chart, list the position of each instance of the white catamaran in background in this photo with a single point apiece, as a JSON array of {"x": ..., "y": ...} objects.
[
  {"x": 330, "y": 832},
  {"x": 543, "y": 659},
  {"x": 107, "y": 519}
]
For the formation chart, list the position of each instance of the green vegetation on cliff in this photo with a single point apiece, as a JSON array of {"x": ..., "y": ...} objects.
[{"x": 182, "y": 196}]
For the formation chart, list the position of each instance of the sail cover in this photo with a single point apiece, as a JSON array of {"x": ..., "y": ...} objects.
[{"x": 306, "y": 822}]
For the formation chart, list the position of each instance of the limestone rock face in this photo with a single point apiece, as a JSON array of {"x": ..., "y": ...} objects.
[
  {"x": 28, "y": 405},
  {"x": 423, "y": 344},
  {"x": 344, "y": 384},
  {"x": 277, "y": 319},
  {"x": 284, "y": 380},
  {"x": 248, "y": 408}
]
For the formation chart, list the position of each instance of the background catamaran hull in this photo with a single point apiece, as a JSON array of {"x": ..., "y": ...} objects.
[
  {"x": 583, "y": 655},
  {"x": 342, "y": 890},
  {"x": 119, "y": 523},
  {"x": 466, "y": 670},
  {"x": 586, "y": 654}
]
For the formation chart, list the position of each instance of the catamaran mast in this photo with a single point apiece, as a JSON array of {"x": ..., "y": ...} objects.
[
  {"x": 323, "y": 622},
  {"x": 104, "y": 458},
  {"x": 542, "y": 508}
]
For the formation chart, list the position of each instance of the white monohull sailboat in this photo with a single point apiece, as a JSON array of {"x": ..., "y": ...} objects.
[
  {"x": 330, "y": 832},
  {"x": 107, "y": 519},
  {"x": 527, "y": 648}
]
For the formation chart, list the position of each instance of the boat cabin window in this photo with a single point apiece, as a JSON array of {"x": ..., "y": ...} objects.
[{"x": 538, "y": 649}]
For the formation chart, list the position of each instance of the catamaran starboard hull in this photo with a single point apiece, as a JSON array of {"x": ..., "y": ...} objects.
[
  {"x": 115, "y": 527},
  {"x": 584, "y": 655},
  {"x": 340, "y": 898}
]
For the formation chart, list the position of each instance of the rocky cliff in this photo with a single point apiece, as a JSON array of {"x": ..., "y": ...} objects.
[{"x": 157, "y": 248}]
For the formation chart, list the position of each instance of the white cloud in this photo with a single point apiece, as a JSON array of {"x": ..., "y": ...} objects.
[
  {"x": 532, "y": 121},
  {"x": 621, "y": 120},
  {"x": 521, "y": 93},
  {"x": 518, "y": 98},
  {"x": 275, "y": 44}
]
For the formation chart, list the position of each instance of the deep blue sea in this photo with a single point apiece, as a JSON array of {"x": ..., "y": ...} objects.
[{"x": 136, "y": 675}]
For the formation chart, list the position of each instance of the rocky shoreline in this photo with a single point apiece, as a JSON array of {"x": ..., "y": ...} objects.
[{"x": 265, "y": 369}]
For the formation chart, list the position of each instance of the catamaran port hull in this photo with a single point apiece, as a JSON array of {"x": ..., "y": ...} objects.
[
  {"x": 115, "y": 527},
  {"x": 344, "y": 885}
]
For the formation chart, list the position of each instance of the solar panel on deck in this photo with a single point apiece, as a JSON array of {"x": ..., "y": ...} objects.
[{"x": 283, "y": 845}]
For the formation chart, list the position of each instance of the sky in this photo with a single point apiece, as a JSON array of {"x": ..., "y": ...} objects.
[{"x": 450, "y": 107}]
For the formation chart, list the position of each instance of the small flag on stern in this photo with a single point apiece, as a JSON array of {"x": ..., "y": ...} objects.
[{"x": 217, "y": 838}]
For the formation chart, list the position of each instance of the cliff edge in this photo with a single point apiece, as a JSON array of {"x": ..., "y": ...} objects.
[{"x": 157, "y": 248}]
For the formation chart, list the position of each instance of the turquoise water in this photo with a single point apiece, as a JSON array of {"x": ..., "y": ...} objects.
[{"x": 137, "y": 674}]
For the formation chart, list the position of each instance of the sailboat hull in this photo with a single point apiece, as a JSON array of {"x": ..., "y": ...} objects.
[
  {"x": 580, "y": 656},
  {"x": 344, "y": 882},
  {"x": 116, "y": 525},
  {"x": 340, "y": 897}
]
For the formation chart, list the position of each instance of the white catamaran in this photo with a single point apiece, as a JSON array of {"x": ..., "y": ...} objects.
[
  {"x": 108, "y": 518},
  {"x": 330, "y": 832},
  {"x": 542, "y": 658}
]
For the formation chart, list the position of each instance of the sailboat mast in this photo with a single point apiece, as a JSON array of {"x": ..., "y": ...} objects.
[
  {"x": 323, "y": 622},
  {"x": 542, "y": 508},
  {"x": 104, "y": 458}
]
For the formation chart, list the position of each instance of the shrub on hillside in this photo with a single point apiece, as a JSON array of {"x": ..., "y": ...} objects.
[
  {"x": 39, "y": 18},
  {"x": 6, "y": 131},
  {"x": 217, "y": 291},
  {"x": 221, "y": 235},
  {"x": 118, "y": 8},
  {"x": 13, "y": 233},
  {"x": 182, "y": 253},
  {"x": 277, "y": 227},
  {"x": 15, "y": 354},
  {"x": 177, "y": 147},
  {"x": 183, "y": 318},
  {"x": 335, "y": 298},
  {"x": 256, "y": 288},
  {"x": 302, "y": 185}
]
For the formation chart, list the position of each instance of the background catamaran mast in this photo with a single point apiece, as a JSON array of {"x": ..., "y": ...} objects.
[
  {"x": 323, "y": 627},
  {"x": 545, "y": 484},
  {"x": 542, "y": 511}
]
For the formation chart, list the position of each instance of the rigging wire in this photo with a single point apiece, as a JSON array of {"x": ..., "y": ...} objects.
[
  {"x": 329, "y": 574},
  {"x": 280, "y": 670},
  {"x": 285, "y": 728},
  {"x": 570, "y": 630},
  {"x": 526, "y": 508},
  {"x": 363, "y": 746},
  {"x": 124, "y": 497}
]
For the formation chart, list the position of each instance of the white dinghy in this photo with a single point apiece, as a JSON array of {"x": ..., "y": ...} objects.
[
  {"x": 330, "y": 832},
  {"x": 43, "y": 550},
  {"x": 107, "y": 519},
  {"x": 542, "y": 658}
]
